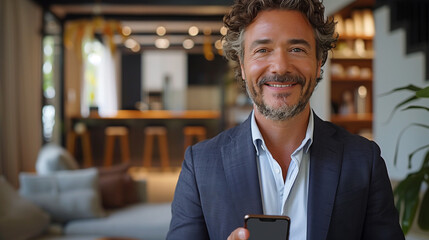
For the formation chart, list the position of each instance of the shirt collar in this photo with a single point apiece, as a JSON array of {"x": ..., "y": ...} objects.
[{"x": 257, "y": 136}]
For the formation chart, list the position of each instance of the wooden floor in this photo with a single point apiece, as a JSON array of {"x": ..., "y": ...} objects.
[{"x": 160, "y": 184}]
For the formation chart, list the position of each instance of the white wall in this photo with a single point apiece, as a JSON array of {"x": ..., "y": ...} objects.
[
  {"x": 333, "y": 6},
  {"x": 158, "y": 64},
  {"x": 203, "y": 98},
  {"x": 393, "y": 68}
]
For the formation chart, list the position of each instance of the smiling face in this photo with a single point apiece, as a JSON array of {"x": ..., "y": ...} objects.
[{"x": 279, "y": 64}]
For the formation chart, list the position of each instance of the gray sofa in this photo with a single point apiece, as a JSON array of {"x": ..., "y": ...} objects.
[
  {"x": 148, "y": 221},
  {"x": 22, "y": 217},
  {"x": 62, "y": 202}
]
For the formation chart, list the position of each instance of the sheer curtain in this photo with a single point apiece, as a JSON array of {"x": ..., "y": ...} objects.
[
  {"x": 107, "y": 88},
  {"x": 20, "y": 87},
  {"x": 103, "y": 86}
]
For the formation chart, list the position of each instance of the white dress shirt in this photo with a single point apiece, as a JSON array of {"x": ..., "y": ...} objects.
[{"x": 287, "y": 197}]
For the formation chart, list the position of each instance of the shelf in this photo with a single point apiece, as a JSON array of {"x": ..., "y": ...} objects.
[
  {"x": 340, "y": 56},
  {"x": 352, "y": 67},
  {"x": 357, "y": 118},
  {"x": 157, "y": 114},
  {"x": 354, "y": 123},
  {"x": 351, "y": 79},
  {"x": 354, "y": 37}
]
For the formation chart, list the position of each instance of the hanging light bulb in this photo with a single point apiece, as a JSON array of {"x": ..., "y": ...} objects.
[
  {"x": 193, "y": 31},
  {"x": 223, "y": 30},
  {"x": 126, "y": 31},
  {"x": 136, "y": 48},
  {"x": 130, "y": 43},
  {"x": 188, "y": 43},
  {"x": 161, "y": 31},
  {"x": 218, "y": 44},
  {"x": 162, "y": 43}
]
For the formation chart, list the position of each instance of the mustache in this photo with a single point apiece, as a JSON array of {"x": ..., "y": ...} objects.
[{"x": 289, "y": 78}]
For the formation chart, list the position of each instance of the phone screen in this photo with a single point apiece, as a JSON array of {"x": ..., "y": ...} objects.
[{"x": 262, "y": 227}]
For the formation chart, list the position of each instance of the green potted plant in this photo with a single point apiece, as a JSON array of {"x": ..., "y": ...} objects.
[{"x": 407, "y": 192}]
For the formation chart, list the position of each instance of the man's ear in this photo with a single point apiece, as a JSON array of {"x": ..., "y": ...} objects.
[
  {"x": 243, "y": 75},
  {"x": 319, "y": 69}
]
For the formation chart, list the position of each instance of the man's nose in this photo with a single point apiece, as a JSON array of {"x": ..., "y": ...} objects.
[{"x": 280, "y": 63}]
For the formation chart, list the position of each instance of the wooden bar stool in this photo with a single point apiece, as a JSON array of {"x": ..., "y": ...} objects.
[
  {"x": 150, "y": 134},
  {"x": 112, "y": 133},
  {"x": 80, "y": 131},
  {"x": 192, "y": 133}
]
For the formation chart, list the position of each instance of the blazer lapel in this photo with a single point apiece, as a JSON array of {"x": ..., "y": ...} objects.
[
  {"x": 241, "y": 172},
  {"x": 325, "y": 167}
]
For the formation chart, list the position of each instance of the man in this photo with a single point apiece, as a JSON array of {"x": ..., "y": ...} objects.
[{"x": 283, "y": 160}]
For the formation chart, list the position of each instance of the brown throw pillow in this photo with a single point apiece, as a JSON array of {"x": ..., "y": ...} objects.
[{"x": 117, "y": 187}]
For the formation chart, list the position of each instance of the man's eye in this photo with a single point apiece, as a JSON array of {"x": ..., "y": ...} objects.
[
  {"x": 262, "y": 50},
  {"x": 297, "y": 50}
]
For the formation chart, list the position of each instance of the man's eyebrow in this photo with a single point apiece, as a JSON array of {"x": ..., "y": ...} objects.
[
  {"x": 291, "y": 41},
  {"x": 300, "y": 41},
  {"x": 259, "y": 42}
]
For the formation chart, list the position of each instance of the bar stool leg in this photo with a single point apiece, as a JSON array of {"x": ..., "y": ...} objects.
[
  {"x": 71, "y": 142},
  {"x": 147, "y": 155},
  {"x": 192, "y": 133},
  {"x": 202, "y": 136},
  {"x": 112, "y": 133},
  {"x": 108, "y": 151},
  {"x": 188, "y": 141},
  {"x": 86, "y": 142},
  {"x": 165, "y": 161},
  {"x": 125, "y": 149},
  {"x": 86, "y": 146}
]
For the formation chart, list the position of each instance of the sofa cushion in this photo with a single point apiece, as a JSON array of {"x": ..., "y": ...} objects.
[
  {"x": 117, "y": 187},
  {"x": 65, "y": 195},
  {"x": 54, "y": 158},
  {"x": 19, "y": 218},
  {"x": 140, "y": 221}
]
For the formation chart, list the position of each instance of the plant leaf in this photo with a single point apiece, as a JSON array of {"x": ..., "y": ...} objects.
[
  {"x": 410, "y": 87},
  {"x": 423, "y": 220},
  {"x": 400, "y": 189},
  {"x": 423, "y": 93},
  {"x": 425, "y": 164},
  {"x": 407, "y": 199},
  {"x": 411, "y": 202},
  {"x": 414, "y": 152},
  {"x": 416, "y": 107},
  {"x": 406, "y": 184},
  {"x": 408, "y": 100},
  {"x": 395, "y": 157}
]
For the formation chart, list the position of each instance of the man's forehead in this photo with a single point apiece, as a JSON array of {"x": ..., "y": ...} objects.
[{"x": 271, "y": 24}]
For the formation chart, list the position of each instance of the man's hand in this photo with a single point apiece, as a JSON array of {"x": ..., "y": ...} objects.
[{"x": 239, "y": 234}]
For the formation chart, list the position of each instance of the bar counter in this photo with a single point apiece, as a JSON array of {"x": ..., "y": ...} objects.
[
  {"x": 136, "y": 121},
  {"x": 158, "y": 114}
]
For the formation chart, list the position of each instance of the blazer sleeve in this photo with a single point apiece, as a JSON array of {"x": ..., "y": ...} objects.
[
  {"x": 382, "y": 219},
  {"x": 187, "y": 216}
]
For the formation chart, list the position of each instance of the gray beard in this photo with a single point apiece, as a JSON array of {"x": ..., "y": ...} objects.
[
  {"x": 284, "y": 112},
  {"x": 279, "y": 114}
]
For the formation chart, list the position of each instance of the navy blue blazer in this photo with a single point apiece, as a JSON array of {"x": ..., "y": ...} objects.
[{"x": 350, "y": 196}]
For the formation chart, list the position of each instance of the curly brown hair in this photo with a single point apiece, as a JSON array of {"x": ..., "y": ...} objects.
[{"x": 244, "y": 11}]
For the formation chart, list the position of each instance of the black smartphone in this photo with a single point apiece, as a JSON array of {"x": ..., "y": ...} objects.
[{"x": 263, "y": 227}]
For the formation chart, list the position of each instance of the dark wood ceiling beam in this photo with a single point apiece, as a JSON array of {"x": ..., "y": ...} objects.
[
  {"x": 139, "y": 2},
  {"x": 147, "y": 17}
]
